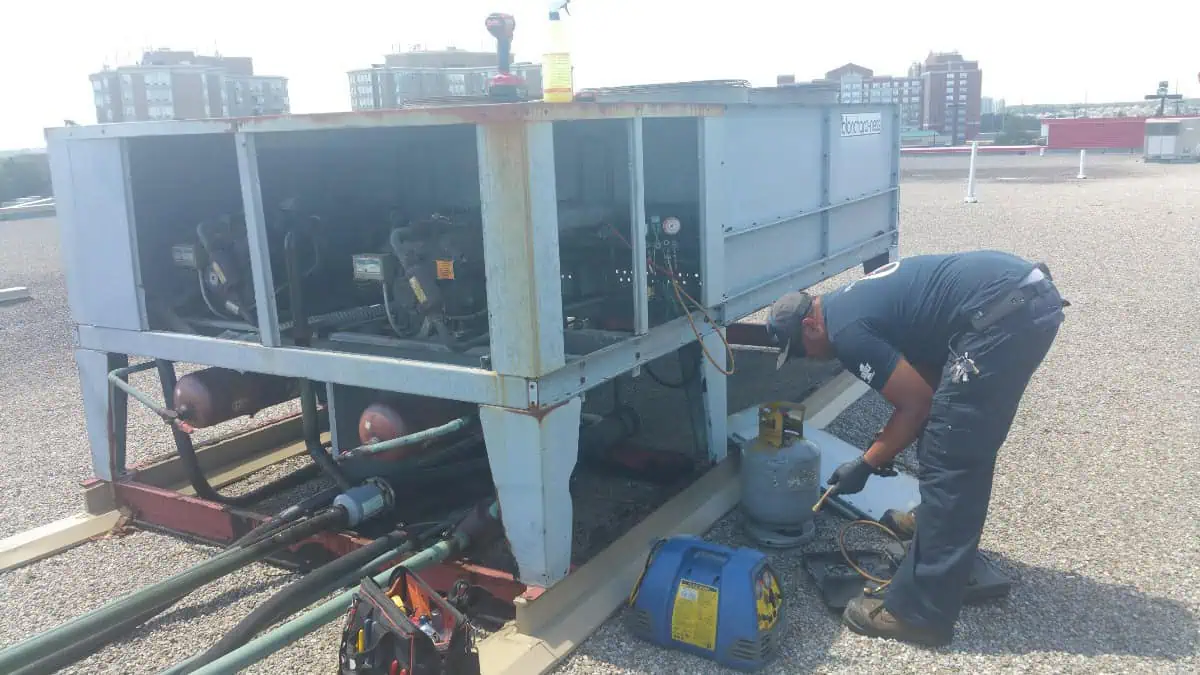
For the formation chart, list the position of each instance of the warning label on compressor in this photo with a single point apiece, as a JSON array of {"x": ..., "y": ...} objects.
[{"x": 694, "y": 617}]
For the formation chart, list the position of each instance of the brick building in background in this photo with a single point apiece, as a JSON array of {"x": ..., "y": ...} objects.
[
  {"x": 422, "y": 74},
  {"x": 168, "y": 84},
  {"x": 952, "y": 89},
  {"x": 943, "y": 94},
  {"x": 861, "y": 85}
]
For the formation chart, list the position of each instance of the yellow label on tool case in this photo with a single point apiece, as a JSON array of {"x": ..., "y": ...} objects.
[
  {"x": 694, "y": 617},
  {"x": 767, "y": 599},
  {"x": 417, "y": 290},
  {"x": 445, "y": 269}
]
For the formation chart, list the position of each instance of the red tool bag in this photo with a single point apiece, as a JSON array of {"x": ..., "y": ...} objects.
[{"x": 409, "y": 629}]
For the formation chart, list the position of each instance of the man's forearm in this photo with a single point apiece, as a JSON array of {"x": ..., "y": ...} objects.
[{"x": 900, "y": 432}]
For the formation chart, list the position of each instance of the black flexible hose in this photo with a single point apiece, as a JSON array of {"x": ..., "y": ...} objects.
[
  {"x": 686, "y": 376},
  {"x": 85, "y": 636},
  {"x": 312, "y": 437},
  {"x": 191, "y": 462},
  {"x": 298, "y": 595},
  {"x": 286, "y": 516},
  {"x": 308, "y": 398}
]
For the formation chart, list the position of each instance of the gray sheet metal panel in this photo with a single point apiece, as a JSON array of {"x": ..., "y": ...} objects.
[
  {"x": 95, "y": 222},
  {"x": 131, "y": 212},
  {"x": 766, "y": 292},
  {"x": 806, "y": 93},
  {"x": 256, "y": 231},
  {"x": 458, "y": 383},
  {"x": 861, "y": 164},
  {"x": 714, "y": 210},
  {"x": 895, "y": 218},
  {"x": 770, "y": 179},
  {"x": 826, "y": 165},
  {"x": 856, "y": 221},
  {"x": 754, "y": 258},
  {"x": 521, "y": 252},
  {"x": 772, "y": 164},
  {"x": 532, "y": 111},
  {"x": 637, "y": 217}
]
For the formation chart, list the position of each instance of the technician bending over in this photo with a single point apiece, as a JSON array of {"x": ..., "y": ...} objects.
[{"x": 951, "y": 341}]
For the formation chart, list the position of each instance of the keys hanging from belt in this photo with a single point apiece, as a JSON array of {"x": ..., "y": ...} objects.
[{"x": 962, "y": 369}]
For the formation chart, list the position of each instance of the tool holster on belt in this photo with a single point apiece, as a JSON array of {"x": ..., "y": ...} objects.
[{"x": 1013, "y": 300}]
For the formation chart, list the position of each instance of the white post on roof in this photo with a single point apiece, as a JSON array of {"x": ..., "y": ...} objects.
[
  {"x": 970, "y": 198},
  {"x": 1082, "y": 158}
]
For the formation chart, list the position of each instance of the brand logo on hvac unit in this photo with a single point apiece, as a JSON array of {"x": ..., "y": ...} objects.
[{"x": 861, "y": 124}]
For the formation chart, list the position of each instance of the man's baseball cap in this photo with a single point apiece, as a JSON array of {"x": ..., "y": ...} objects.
[{"x": 783, "y": 324}]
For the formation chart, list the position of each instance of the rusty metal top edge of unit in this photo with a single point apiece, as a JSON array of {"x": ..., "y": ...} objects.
[{"x": 474, "y": 113}]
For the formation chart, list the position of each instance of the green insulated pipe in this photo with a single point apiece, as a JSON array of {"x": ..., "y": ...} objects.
[
  {"x": 410, "y": 439},
  {"x": 269, "y": 643},
  {"x": 160, "y": 595}
]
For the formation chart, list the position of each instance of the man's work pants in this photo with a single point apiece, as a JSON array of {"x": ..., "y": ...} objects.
[{"x": 957, "y": 455}]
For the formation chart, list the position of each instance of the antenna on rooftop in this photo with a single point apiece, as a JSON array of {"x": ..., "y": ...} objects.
[{"x": 1162, "y": 96}]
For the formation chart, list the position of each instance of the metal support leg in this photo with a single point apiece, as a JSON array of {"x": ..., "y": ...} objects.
[
  {"x": 715, "y": 398},
  {"x": 532, "y": 457},
  {"x": 106, "y": 428}
]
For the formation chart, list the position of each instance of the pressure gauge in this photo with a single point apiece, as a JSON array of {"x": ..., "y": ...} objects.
[{"x": 671, "y": 225}]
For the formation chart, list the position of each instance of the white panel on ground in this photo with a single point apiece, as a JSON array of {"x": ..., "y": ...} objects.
[
  {"x": 532, "y": 459},
  {"x": 901, "y": 492}
]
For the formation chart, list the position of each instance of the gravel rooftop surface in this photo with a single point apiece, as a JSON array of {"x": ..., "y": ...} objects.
[{"x": 1093, "y": 509}]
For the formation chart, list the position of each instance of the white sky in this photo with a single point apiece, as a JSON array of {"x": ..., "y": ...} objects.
[{"x": 1030, "y": 51}]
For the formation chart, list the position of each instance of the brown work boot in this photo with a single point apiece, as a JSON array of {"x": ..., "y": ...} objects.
[
  {"x": 903, "y": 523},
  {"x": 867, "y": 616}
]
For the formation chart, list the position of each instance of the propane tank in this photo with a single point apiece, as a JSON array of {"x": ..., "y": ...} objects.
[
  {"x": 780, "y": 477},
  {"x": 214, "y": 395}
]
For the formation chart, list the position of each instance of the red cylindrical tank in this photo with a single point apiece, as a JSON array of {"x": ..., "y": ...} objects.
[
  {"x": 214, "y": 395},
  {"x": 402, "y": 414}
]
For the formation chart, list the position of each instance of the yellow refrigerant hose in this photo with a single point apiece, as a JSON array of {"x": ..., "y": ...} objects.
[
  {"x": 850, "y": 561},
  {"x": 842, "y": 541}
]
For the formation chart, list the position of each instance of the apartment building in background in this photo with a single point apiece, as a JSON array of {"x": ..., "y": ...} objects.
[
  {"x": 175, "y": 85},
  {"x": 942, "y": 94},
  {"x": 422, "y": 74},
  {"x": 953, "y": 92},
  {"x": 991, "y": 106},
  {"x": 857, "y": 84}
]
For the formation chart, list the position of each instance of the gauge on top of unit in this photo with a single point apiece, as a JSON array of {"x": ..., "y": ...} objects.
[{"x": 671, "y": 225}]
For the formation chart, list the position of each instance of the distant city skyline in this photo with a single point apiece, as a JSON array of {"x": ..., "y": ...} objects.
[{"x": 1055, "y": 56}]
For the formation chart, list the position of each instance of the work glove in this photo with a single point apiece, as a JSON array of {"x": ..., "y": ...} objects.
[{"x": 851, "y": 477}]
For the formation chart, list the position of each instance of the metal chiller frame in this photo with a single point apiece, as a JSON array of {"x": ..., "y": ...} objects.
[{"x": 789, "y": 194}]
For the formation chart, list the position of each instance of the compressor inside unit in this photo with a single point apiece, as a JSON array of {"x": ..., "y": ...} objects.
[{"x": 381, "y": 230}]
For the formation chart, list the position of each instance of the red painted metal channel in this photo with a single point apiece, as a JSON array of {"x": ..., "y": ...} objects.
[{"x": 168, "y": 510}]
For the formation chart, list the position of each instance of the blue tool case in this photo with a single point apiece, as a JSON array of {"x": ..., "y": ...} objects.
[{"x": 718, "y": 602}]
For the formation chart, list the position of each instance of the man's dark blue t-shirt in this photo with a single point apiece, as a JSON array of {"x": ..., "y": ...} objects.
[{"x": 914, "y": 307}]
